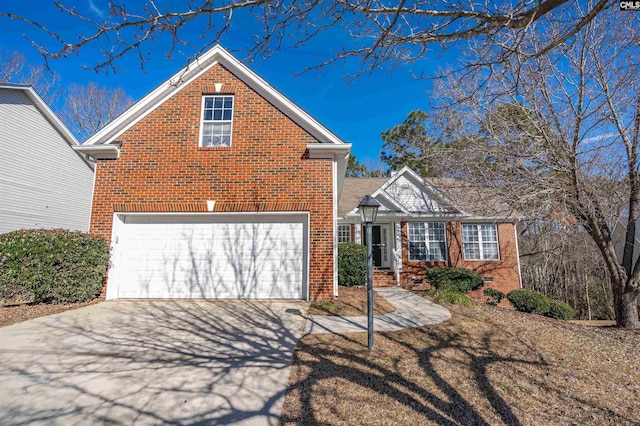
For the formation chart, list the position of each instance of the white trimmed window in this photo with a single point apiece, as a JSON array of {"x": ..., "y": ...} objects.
[
  {"x": 217, "y": 120},
  {"x": 480, "y": 242},
  {"x": 427, "y": 241},
  {"x": 344, "y": 233}
]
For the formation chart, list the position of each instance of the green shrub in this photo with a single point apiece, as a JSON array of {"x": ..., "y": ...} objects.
[
  {"x": 459, "y": 280},
  {"x": 453, "y": 297},
  {"x": 526, "y": 300},
  {"x": 52, "y": 266},
  {"x": 352, "y": 264},
  {"x": 495, "y": 295},
  {"x": 560, "y": 310}
]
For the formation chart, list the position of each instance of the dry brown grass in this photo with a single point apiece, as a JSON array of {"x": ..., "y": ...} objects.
[
  {"x": 22, "y": 312},
  {"x": 351, "y": 301},
  {"x": 484, "y": 366}
]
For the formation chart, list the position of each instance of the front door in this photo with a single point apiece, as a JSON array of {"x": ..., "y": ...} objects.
[{"x": 376, "y": 243}]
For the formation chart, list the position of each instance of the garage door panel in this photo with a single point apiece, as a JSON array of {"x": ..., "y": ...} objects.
[{"x": 223, "y": 257}]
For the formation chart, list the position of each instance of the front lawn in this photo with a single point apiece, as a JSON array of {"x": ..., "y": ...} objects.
[
  {"x": 484, "y": 366},
  {"x": 351, "y": 301}
]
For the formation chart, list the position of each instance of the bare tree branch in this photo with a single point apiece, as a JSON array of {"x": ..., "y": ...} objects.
[
  {"x": 557, "y": 135},
  {"x": 382, "y": 31},
  {"x": 87, "y": 109}
]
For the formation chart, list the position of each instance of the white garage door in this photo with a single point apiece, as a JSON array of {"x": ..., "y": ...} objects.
[{"x": 209, "y": 256}]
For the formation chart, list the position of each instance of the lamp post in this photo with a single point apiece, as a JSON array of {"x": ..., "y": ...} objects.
[{"x": 368, "y": 211}]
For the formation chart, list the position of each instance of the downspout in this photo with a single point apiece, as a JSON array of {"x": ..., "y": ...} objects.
[{"x": 515, "y": 232}]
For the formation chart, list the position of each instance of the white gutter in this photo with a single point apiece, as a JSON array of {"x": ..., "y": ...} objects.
[
  {"x": 99, "y": 152},
  {"x": 325, "y": 150}
]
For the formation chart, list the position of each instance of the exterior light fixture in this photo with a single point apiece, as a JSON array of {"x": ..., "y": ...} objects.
[
  {"x": 368, "y": 212},
  {"x": 368, "y": 209}
]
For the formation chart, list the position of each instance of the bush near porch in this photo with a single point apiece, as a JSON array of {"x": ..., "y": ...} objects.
[
  {"x": 461, "y": 280},
  {"x": 52, "y": 266},
  {"x": 453, "y": 284},
  {"x": 352, "y": 264}
]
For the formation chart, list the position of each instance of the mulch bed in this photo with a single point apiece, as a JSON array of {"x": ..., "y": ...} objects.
[
  {"x": 12, "y": 314},
  {"x": 486, "y": 365},
  {"x": 351, "y": 301}
]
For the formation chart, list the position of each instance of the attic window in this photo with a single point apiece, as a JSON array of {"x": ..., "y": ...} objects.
[
  {"x": 406, "y": 191},
  {"x": 217, "y": 120}
]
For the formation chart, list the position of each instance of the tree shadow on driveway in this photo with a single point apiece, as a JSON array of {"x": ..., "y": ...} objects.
[{"x": 150, "y": 362}]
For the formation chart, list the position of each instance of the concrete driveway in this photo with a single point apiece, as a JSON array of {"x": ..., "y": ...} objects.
[{"x": 150, "y": 362}]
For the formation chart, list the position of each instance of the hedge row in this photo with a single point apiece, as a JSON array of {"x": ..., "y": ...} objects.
[{"x": 52, "y": 266}]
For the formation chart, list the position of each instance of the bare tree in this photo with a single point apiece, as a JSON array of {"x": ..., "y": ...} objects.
[
  {"x": 381, "y": 32},
  {"x": 15, "y": 69},
  {"x": 558, "y": 134},
  {"x": 561, "y": 260},
  {"x": 88, "y": 109}
]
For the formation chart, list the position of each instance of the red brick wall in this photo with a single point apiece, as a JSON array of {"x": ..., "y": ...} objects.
[
  {"x": 504, "y": 271},
  {"x": 162, "y": 168}
]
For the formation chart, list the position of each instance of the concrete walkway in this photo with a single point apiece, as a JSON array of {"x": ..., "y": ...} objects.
[{"x": 411, "y": 311}]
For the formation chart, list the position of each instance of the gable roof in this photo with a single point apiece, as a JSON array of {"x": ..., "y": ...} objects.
[
  {"x": 455, "y": 196},
  {"x": 427, "y": 198},
  {"x": 45, "y": 110},
  {"x": 215, "y": 55},
  {"x": 354, "y": 190}
]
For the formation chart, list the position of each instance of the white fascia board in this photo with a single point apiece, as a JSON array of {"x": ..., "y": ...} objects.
[
  {"x": 354, "y": 215},
  {"x": 186, "y": 75},
  {"x": 329, "y": 151},
  {"x": 490, "y": 219},
  {"x": 383, "y": 194},
  {"x": 428, "y": 187},
  {"x": 283, "y": 103},
  {"x": 99, "y": 152}
]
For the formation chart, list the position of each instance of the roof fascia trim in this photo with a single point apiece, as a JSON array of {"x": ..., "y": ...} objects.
[
  {"x": 426, "y": 185},
  {"x": 99, "y": 152},
  {"x": 186, "y": 75}
]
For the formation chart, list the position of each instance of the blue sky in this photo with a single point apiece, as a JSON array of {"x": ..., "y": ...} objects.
[{"x": 357, "y": 111}]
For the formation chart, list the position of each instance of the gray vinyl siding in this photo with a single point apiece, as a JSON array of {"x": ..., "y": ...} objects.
[{"x": 43, "y": 182}]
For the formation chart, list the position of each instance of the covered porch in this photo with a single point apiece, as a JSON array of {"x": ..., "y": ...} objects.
[{"x": 386, "y": 248}]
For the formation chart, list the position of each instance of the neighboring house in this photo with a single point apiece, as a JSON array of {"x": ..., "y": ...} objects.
[
  {"x": 43, "y": 182},
  {"x": 216, "y": 185},
  {"x": 436, "y": 222}
]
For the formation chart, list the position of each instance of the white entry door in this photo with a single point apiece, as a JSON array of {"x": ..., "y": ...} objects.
[{"x": 209, "y": 256}]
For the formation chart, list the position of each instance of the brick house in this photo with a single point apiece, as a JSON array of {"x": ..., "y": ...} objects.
[
  {"x": 436, "y": 222},
  {"x": 217, "y": 185}
]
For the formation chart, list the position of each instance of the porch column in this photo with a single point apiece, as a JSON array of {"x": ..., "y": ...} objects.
[
  {"x": 397, "y": 249},
  {"x": 358, "y": 233}
]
